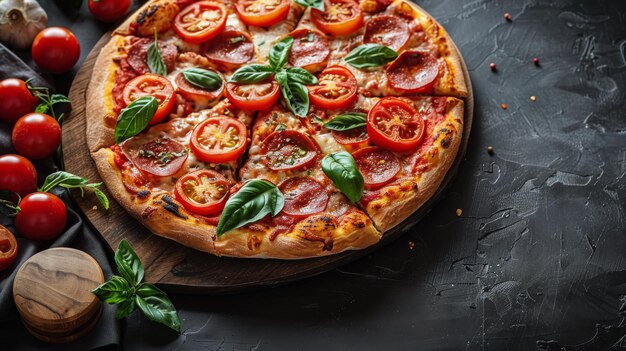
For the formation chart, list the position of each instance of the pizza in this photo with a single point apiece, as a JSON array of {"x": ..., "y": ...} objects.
[{"x": 275, "y": 128}]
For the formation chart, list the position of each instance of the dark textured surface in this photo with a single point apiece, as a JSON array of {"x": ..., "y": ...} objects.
[{"x": 536, "y": 260}]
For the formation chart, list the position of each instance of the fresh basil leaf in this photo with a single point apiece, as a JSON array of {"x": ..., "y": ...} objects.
[
  {"x": 58, "y": 98},
  {"x": 135, "y": 118},
  {"x": 128, "y": 264},
  {"x": 316, "y": 4},
  {"x": 279, "y": 53},
  {"x": 154, "y": 59},
  {"x": 341, "y": 168},
  {"x": 145, "y": 290},
  {"x": 61, "y": 178},
  {"x": 252, "y": 202},
  {"x": 347, "y": 121},
  {"x": 300, "y": 75},
  {"x": 252, "y": 74},
  {"x": 125, "y": 308},
  {"x": 113, "y": 291},
  {"x": 370, "y": 55},
  {"x": 295, "y": 94},
  {"x": 42, "y": 108},
  {"x": 104, "y": 200},
  {"x": 202, "y": 78},
  {"x": 159, "y": 309}
]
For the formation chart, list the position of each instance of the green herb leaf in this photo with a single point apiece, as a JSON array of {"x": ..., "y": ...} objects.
[
  {"x": 154, "y": 59},
  {"x": 202, "y": 78},
  {"x": 252, "y": 74},
  {"x": 113, "y": 291},
  {"x": 125, "y": 308},
  {"x": 159, "y": 309},
  {"x": 104, "y": 200},
  {"x": 128, "y": 264},
  {"x": 370, "y": 55},
  {"x": 279, "y": 53},
  {"x": 295, "y": 94},
  {"x": 316, "y": 4},
  {"x": 47, "y": 101},
  {"x": 347, "y": 121},
  {"x": 135, "y": 118},
  {"x": 300, "y": 75},
  {"x": 145, "y": 290},
  {"x": 341, "y": 168},
  {"x": 71, "y": 181},
  {"x": 252, "y": 202}
]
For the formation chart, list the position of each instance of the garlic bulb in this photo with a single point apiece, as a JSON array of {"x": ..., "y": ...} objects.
[{"x": 20, "y": 21}]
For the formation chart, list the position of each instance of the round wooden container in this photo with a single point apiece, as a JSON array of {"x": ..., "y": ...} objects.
[{"x": 52, "y": 292}]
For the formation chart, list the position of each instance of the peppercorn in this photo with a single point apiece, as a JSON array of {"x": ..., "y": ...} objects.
[
  {"x": 490, "y": 150},
  {"x": 493, "y": 67},
  {"x": 507, "y": 17}
]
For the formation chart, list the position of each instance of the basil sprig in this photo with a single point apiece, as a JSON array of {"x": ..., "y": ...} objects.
[
  {"x": 370, "y": 55},
  {"x": 202, "y": 78},
  {"x": 252, "y": 202},
  {"x": 47, "y": 101},
  {"x": 316, "y": 4},
  {"x": 292, "y": 80},
  {"x": 135, "y": 117},
  {"x": 341, "y": 168},
  {"x": 128, "y": 292},
  {"x": 71, "y": 181},
  {"x": 347, "y": 121},
  {"x": 154, "y": 59}
]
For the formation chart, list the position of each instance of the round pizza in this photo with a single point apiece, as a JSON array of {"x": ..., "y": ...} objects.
[{"x": 275, "y": 128}]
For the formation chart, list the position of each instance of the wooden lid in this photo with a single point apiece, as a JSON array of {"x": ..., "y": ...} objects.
[{"x": 52, "y": 292}]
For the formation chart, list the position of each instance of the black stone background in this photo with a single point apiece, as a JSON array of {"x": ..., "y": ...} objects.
[{"x": 537, "y": 258}]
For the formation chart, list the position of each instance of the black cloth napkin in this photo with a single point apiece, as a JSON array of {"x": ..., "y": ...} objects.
[{"x": 78, "y": 235}]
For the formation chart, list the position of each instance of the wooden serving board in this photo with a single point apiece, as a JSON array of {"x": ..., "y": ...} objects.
[{"x": 178, "y": 268}]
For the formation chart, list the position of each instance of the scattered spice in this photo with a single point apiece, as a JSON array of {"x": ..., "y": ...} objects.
[
  {"x": 536, "y": 61},
  {"x": 493, "y": 67},
  {"x": 504, "y": 106},
  {"x": 459, "y": 212},
  {"x": 490, "y": 150},
  {"x": 411, "y": 245},
  {"x": 533, "y": 98},
  {"x": 507, "y": 17}
]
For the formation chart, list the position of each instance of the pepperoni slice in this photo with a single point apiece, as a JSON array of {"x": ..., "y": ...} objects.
[
  {"x": 377, "y": 165},
  {"x": 413, "y": 72},
  {"x": 161, "y": 157},
  {"x": 353, "y": 136},
  {"x": 288, "y": 150},
  {"x": 138, "y": 53},
  {"x": 304, "y": 196},
  {"x": 230, "y": 49},
  {"x": 390, "y": 31},
  {"x": 310, "y": 50}
]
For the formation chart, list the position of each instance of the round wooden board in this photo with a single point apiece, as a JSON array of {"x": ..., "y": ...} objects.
[{"x": 179, "y": 268}]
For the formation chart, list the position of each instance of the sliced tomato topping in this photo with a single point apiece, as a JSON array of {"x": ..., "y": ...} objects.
[
  {"x": 262, "y": 13},
  {"x": 387, "y": 30},
  {"x": 161, "y": 157},
  {"x": 336, "y": 89},
  {"x": 377, "y": 165},
  {"x": 8, "y": 248},
  {"x": 253, "y": 97},
  {"x": 304, "y": 196},
  {"x": 201, "y": 21},
  {"x": 340, "y": 17},
  {"x": 395, "y": 125},
  {"x": 194, "y": 92},
  {"x": 151, "y": 85},
  {"x": 351, "y": 137},
  {"x": 202, "y": 192},
  {"x": 230, "y": 49},
  {"x": 288, "y": 150},
  {"x": 310, "y": 50},
  {"x": 413, "y": 72},
  {"x": 219, "y": 139}
]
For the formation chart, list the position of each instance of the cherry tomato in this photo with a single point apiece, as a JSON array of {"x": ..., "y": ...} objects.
[
  {"x": 42, "y": 216},
  {"x": 253, "y": 97},
  {"x": 161, "y": 157},
  {"x": 56, "y": 49},
  {"x": 195, "y": 93},
  {"x": 15, "y": 100},
  {"x": 395, "y": 125},
  {"x": 36, "y": 136},
  {"x": 262, "y": 13},
  {"x": 219, "y": 139},
  {"x": 230, "y": 49},
  {"x": 8, "y": 248},
  {"x": 151, "y": 85},
  {"x": 310, "y": 50},
  {"x": 340, "y": 17},
  {"x": 413, "y": 72},
  {"x": 377, "y": 165},
  {"x": 201, "y": 21},
  {"x": 336, "y": 89},
  {"x": 202, "y": 192},
  {"x": 351, "y": 137},
  {"x": 387, "y": 30},
  {"x": 288, "y": 150},
  {"x": 17, "y": 174},
  {"x": 304, "y": 196},
  {"x": 109, "y": 10}
]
